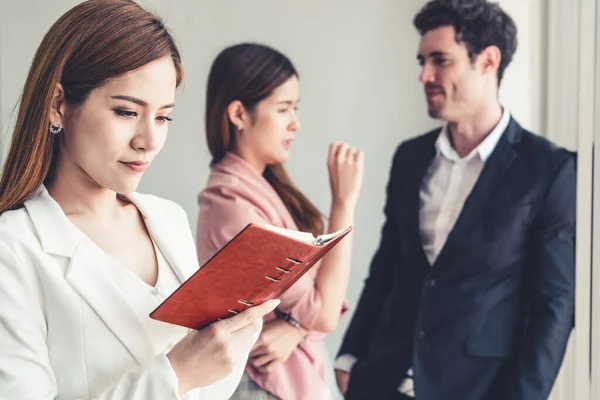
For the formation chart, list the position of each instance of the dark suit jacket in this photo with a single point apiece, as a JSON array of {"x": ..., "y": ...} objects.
[{"x": 491, "y": 318}]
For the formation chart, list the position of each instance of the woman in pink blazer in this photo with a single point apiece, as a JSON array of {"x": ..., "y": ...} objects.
[{"x": 251, "y": 122}]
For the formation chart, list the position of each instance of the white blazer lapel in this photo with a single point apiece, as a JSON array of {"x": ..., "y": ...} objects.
[
  {"x": 57, "y": 234},
  {"x": 89, "y": 276},
  {"x": 171, "y": 234},
  {"x": 87, "y": 273}
]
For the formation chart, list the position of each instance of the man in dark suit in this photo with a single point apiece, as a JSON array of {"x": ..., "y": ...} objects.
[{"x": 470, "y": 295}]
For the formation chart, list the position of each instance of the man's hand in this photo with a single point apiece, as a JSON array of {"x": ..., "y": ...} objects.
[{"x": 342, "y": 378}]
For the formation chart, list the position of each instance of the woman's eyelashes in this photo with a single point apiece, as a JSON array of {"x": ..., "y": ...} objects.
[
  {"x": 164, "y": 119},
  {"x": 284, "y": 110},
  {"x": 128, "y": 114},
  {"x": 125, "y": 113}
]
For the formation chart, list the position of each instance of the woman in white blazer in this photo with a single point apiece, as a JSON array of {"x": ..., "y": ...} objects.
[{"x": 83, "y": 258}]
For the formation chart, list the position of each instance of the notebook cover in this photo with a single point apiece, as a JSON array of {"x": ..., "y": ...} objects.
[{"x": 255, "y": 266}]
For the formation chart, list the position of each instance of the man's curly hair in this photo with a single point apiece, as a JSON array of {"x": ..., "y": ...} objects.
[{"x": 478, "y": 24}]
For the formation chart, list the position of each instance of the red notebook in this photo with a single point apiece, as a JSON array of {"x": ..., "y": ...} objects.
[{"x": 258, "y": 264}]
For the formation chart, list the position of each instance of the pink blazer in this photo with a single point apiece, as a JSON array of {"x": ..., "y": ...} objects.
[{"x": 234, "y": 196}]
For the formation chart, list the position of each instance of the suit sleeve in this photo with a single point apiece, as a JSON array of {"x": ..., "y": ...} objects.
[
  {"x": 552, "y": 298},
  {"x": 378, "y": 284}
]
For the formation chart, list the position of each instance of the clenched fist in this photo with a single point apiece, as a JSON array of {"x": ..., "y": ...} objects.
[{"x": 345, "y": 165}]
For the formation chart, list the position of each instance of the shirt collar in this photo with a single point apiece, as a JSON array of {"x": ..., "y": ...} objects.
[{"x": 485, "y": 148}]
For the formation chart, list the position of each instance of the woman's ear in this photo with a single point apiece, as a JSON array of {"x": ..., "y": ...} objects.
[
  {"x": 236, "y": 112},
  {"x": 58, "y": 105}
]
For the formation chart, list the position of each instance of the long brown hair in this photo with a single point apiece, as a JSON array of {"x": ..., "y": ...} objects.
[
  {"x": 249, "y": 73},
  {"x": 91, "y": 43}
]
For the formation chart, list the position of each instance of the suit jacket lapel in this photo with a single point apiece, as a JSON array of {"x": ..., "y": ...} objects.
[
  {"x": 263, "y": 195},
  {"x": 416, "y": 170},
  {"x": 495, "y": 167},
  {"x": 87, "y": 273},
  {"x": 90, "y": 277},
  {"x": 178, "y": 249}
]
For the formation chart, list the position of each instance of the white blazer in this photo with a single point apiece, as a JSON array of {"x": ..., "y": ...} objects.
[{"x": 66, "y": 331}]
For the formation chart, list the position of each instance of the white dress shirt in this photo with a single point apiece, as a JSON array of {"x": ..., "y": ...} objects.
[
  {"x": 145, "y": 298},
  {"x": 445, "y": 187}
]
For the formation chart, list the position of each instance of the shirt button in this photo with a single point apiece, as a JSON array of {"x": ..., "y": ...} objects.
[
  {"x": 430, "y": 283},
  {"x": 419, "y": 335},
  {"x": 156, "y": 291}
]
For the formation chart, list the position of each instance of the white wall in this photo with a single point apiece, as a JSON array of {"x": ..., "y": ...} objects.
[
  {"x": 523, "y": 89},
  {"x": 358, "y": 83},
  {"x": 22, "y": 26}
]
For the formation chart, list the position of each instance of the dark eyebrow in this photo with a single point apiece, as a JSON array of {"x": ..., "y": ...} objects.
[
  {"x": 289, "y": 102},
  {"x": 433, "y": 54},
  {"x": 139, "y": 102}
]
